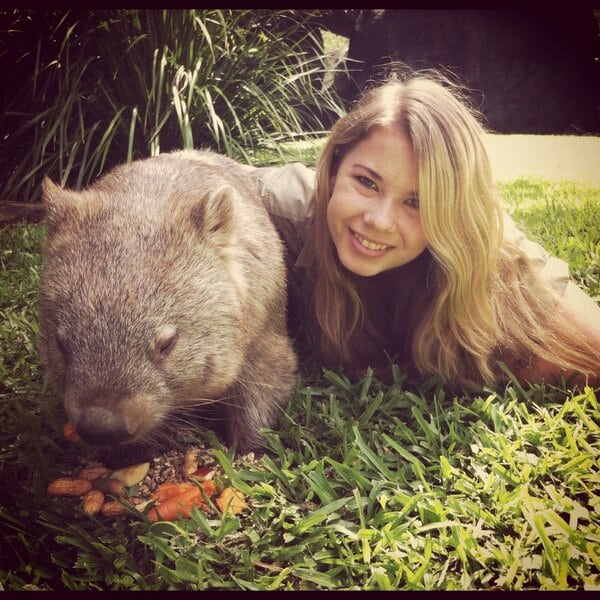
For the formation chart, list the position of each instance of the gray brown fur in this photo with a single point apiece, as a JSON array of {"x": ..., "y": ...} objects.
[{"x": 163, "y": 288}]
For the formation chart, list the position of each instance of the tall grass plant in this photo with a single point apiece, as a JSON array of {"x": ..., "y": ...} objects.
[{"x": 93, "y": 88}]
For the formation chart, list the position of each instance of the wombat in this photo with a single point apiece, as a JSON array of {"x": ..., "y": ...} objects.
[{"x": 163, "y": 292}]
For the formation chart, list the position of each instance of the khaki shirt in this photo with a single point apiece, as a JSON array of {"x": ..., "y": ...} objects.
[{"x": 287, "y": 193}]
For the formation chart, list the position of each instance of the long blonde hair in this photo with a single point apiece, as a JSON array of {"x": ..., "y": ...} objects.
[{"x": 483, "y": 302}]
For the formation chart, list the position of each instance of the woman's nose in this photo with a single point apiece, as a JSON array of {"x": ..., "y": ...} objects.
[{"x": 380, "y": 217}]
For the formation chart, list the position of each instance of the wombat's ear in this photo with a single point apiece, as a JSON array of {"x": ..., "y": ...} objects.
[
  {"x": 214, "y": 216},
  {"x": 58, "y": 202}
]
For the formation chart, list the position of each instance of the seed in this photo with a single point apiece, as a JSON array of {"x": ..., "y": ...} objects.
[{"x": 93, "y": 472}]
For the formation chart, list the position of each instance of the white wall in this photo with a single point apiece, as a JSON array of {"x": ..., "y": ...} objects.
[{"x": 547, "y": 156}]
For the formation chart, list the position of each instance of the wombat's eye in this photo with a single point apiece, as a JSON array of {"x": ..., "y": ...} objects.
[{"x": 166, "y": 340}]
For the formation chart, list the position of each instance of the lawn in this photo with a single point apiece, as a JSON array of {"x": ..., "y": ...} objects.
[{"x": 367, "y": 484}]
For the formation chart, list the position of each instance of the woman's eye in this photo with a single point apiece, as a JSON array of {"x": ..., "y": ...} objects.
[
  {"x": 413, "y": 203},
  {"x": 366, "y": 182}
]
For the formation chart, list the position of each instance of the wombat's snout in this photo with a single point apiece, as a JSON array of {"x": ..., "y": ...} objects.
[{"x": 101, "y": 427}]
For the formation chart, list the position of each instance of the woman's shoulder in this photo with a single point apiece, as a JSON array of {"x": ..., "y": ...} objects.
[{"x": 287, "y": 191}]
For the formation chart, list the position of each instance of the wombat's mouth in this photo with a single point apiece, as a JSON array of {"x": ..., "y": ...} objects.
[
  {"x": 162, "y": 438},
  {"x": 131, "y": 453},
  {"x": 124, "y": 434}
]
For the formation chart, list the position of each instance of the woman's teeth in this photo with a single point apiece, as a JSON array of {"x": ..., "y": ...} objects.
[{"x": 367, "y": 244}]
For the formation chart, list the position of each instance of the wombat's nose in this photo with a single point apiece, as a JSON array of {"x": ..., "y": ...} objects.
[{"x": 101, "y": 427}]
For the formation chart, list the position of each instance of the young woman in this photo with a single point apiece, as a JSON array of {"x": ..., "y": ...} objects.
[{"x": 398, "y": 249}]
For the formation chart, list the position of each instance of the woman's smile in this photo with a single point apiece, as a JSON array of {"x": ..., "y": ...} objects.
[{"x": 366, "y": 245}]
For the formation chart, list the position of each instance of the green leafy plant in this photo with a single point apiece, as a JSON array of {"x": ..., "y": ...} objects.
[{"x": 93, "y": 88}]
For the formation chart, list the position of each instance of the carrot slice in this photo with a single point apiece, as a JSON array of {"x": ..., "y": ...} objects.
[
  {"x": 210, "y": 487},
  {"x": 177, "y": 507},
  {"x": 70, "y": 432},
  {"x": 170, "y": 490},
  {"x": 175, "y": 500},
  {"x": 231, "y": 500}
]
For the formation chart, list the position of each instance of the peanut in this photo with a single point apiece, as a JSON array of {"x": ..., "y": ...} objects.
[
  {"x": 115, "y": 487},
  {"x": 190, "y": 463},
  {"x": 113, "y": 509},
  {"x": 65, "y": 486},
  {"x": 92, "y": 502},
  {"x": 93, "y": 472}
]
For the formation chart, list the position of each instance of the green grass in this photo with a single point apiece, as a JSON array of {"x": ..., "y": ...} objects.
[
  {"x": 563, "y": 217},
  {"x": 367, "y": 485}
]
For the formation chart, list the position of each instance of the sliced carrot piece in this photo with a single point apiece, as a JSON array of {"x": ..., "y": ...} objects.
[
  {"x": 231, "y": 500},
  {"x": 210, "y": 487},
  {"x": 177, "y": 507},
  {"x": 175, "y": 500},
  {"x": 70, "y": 433},
  {"x": 170, "y": 490}
]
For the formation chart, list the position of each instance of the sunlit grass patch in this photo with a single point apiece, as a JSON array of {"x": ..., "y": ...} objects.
[
  {"x": 564, "y": 218},
  {"x": 367, "y": 485}
]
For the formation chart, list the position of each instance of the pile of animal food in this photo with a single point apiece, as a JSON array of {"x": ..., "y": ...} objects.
[{"x": 165, "y": 489}]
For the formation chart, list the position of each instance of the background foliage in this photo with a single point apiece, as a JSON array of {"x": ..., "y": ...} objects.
[{"x": 86, "y": 89}]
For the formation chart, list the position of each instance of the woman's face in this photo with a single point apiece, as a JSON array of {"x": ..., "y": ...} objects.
[{"x": 373, "y": 213}]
